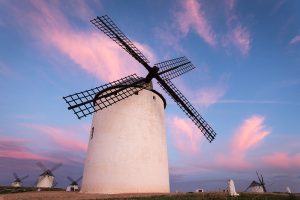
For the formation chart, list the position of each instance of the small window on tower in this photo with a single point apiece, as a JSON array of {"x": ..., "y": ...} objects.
[
  {"x": 92, "y": 133},
  {"x": 154, "y": 97},
  {"x": 136, "y": 93}
]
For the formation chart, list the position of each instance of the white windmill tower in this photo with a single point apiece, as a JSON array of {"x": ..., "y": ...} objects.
[
  {"x": 127, "y": 151},
  {"x": 231, "y": 188},
  {"x": 18, "y": 181},
  {"x": 46, "y": 179},
  {"x": 73, "y": 184}
]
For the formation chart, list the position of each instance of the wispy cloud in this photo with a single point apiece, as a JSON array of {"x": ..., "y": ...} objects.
[
  {"x": 192, "y": 16},
  {"x": 238, "y": 101},
  {"x": 238, "y": 35},
  {"x": 295, "y": 40},
  {"x": 170, "y": 36},
  {"x": 91, "y": 50},
  {"x": 282, "y": 160},
  {"x": 251, "y": 132},
  {"x": 17, "y": 149},
  {"x": 63, "y": 138},
  {"x": 209, "y": 95},
  {"x": 185, "y": 135}
]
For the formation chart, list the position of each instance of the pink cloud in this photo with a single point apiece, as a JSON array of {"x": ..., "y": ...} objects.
[
  {"x": 185, "y": 135},
  {"x": 241, "y": 39},
  {"x": 249, "y": 134},
  {"x": 91, "y": 50},
  {"x": 229, "y": 4},
  {"x": 16, "y": 148},
  {"x": 193, "y": 16},
  {"x": 282, "y": 160},
  {"x": 64, "y": 138},
  {"x": 169, "y": 36},
  {"x": 295, "y": 40},
  {"x": 238, "y": 35},
  {"x": 209, "y": 95},
  {"x": 246, "y": 137}
]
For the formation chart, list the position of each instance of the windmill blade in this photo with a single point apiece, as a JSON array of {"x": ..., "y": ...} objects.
[
  {"x": 24, "y": 177},
  {"x": 246, "y": 189},
  {"x": 173, "y": 68},
  {"x": 79, "y": 179},
  {"x": 87, "y": 102},
  {"x": 56, "y": 167},
  {"x": 43, "y": 167},
  {"x": 259, "y": 179},
  {"x": 15, "y": 175},
  {"x": 187, "y": 107},
  {"x": 70, "y": 179},
  {"x": 107, "y": 26}
]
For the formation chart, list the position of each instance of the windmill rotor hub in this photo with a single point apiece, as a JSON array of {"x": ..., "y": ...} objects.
[{"x": 153, "y": 72}]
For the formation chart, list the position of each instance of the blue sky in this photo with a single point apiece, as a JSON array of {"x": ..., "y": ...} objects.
[{"x": 246, "y": 84}]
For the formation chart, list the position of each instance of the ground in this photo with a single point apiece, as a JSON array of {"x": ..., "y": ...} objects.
[{"x": 8, "y": 193}]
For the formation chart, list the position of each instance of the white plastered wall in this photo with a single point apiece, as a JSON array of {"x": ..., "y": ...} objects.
[{"x": 127, "y": 152}]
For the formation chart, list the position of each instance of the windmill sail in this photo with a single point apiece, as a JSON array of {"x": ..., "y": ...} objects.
[
  {"x": 107, "y": 26},
  {"x": 173, "y": 68},
  {"x": 189, "y": 110},
  {"x": 88, "y": 101}
]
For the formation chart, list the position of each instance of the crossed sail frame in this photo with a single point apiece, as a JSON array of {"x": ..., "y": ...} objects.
[{"x": 89, "y": 101}]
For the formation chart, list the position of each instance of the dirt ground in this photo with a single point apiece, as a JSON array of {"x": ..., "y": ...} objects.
[{"x": 62, "y": 195}]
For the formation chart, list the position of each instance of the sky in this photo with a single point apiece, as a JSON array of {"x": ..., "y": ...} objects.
[{"x": 246, "y": 85}]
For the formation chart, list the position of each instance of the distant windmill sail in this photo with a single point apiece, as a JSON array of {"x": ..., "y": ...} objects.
[{"x": 90, "y": 101}]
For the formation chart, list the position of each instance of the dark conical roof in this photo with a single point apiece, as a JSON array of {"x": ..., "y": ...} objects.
[{"x": 254, "y": 183}]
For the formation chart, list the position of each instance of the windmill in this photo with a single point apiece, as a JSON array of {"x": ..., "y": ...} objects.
[
  {"x": 73, "y": 184},
  {"x": 257, "y": 187},
  {"x": 46, "y": 179},
  {"x": 132, "y": 132},
  {"x": 18, "y": 181}
]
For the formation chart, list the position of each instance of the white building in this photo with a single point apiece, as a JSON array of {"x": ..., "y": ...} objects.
[{"x": 127, "y": 151}]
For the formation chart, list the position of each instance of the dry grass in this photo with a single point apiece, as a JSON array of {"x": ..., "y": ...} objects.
[{"x": 62, "y": 195}]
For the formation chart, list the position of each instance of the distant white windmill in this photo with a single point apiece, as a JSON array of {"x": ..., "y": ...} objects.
[
  {"x": 46, "y": 179},
  {"x": 257, "y": 187},
  {"x": 18, "y": 181},
  {"x": 74, "y": 184},
  {"x": 231, "y": 188},
  {"x": 288, "y": 190}
]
